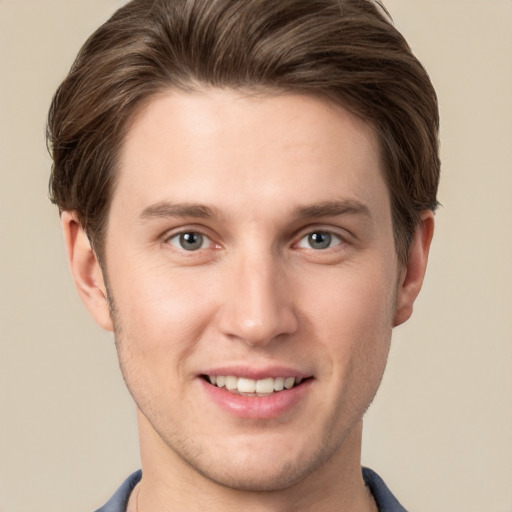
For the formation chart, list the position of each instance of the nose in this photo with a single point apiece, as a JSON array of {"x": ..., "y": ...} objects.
[{"x": 258, "y": 303}]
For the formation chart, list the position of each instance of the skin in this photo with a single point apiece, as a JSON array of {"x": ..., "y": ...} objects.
[{"x": 263, "y": 174}]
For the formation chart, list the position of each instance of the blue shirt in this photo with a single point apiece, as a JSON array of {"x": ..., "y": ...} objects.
[{"x": 386, "y": 502}]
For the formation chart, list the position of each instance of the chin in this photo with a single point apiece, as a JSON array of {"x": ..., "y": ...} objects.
[
  {"x": 278, "y": 478},
  {"x": 259, "y": 470}
]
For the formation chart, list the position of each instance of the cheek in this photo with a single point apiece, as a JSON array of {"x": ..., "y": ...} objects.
[
  {"x": 160, "y": 314},
  {"x": 357, "y": 346},
  {"x": 352, "y": 317},
  {"x": 355, "y": 299},
  {"x": 159, "y": 323}
]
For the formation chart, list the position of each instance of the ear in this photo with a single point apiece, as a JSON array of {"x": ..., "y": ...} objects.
[
  {"x": 86, "y": 270},
  {"x": 411, "y": 277}
]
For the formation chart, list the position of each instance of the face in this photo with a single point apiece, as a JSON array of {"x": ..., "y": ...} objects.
[{"x": 253, "y": 277}]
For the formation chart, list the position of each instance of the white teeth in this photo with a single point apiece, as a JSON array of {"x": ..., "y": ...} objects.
[
  {"x": 264, "y": 385},
  {"x": 289, "y": 382},
  {"x": 246, "y": 385},
  {"x": 231, "y": 383},
  {"x": 279, "y": 384},
  {"x": 249, "y": 386}
]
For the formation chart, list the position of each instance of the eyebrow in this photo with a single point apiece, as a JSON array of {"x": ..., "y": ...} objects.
[
  {"x": 334, "y": 209},
  {"x": 165, "y": 209}
]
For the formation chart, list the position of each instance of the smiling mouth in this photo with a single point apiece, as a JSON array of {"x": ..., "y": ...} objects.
[{"x": 250, "y": 387}]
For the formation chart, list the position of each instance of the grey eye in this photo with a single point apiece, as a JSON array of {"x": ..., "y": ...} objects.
[
  {"x": 319, "y": 240},
  {"x": 189, "y": 241}
]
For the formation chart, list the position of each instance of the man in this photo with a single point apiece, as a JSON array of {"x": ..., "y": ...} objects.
[{"x": 247, "y": 191}]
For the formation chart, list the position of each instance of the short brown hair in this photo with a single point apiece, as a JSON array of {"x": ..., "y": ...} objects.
[{"x": 345, "y": 50}]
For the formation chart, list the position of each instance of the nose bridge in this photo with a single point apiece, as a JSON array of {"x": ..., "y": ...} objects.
[{"x": 258, "y": 303}]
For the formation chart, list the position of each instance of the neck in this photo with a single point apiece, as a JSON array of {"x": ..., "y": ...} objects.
[{"x": 170, "y": 484}]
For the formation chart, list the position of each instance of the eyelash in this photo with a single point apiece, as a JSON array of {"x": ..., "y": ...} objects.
[
  {"x": 330, "y": 236},
  {"x": 179, "y": 237},
  {"x": 327, "y": 237}
]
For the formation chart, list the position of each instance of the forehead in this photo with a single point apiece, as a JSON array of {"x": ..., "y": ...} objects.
[{"x": 276, "y": 149}]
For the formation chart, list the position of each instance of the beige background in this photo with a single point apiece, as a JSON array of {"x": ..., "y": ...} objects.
[{"x": 440, "y": 430}]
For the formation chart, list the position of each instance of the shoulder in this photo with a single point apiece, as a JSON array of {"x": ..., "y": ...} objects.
[
  {"x": 385, "y": 500},
  {"x": 119, "y": 500}
]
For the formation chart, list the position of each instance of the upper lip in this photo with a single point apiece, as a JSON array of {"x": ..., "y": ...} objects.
[{"x": 257, "y": 373}]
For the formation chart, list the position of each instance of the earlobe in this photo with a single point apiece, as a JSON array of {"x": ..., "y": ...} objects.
[
  {"x": 86, "y": 270},
  {"x": 411, "y": 278}
]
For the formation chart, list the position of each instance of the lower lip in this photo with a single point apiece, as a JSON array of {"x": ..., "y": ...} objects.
[{"x": 257, "y": 407}]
